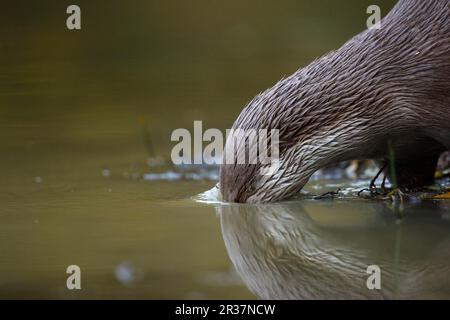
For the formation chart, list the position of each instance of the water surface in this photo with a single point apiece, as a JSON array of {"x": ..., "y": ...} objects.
[{"x": 86, "y": 179}]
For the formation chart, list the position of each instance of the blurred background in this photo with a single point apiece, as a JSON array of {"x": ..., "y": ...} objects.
[{"x": 83, "y": 113}]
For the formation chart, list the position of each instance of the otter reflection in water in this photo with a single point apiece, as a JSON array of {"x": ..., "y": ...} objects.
[{"x": 308, "y": 251}]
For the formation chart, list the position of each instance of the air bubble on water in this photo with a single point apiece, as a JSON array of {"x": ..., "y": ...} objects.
[
  {"x": 106, "y": 173},
  {"x": 126, "y": 273}
]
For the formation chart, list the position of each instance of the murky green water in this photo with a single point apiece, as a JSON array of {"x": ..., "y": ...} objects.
[{"x": 75, "y": 111}]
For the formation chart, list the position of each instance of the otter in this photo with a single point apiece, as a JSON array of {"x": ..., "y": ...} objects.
[{"x": 386, "y": 86}]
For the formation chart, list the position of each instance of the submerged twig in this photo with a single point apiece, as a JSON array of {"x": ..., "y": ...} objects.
[{"x": 372, "y": 185}]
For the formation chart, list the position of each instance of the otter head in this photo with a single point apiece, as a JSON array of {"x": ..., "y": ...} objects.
[{"x": 282, "y": 112}]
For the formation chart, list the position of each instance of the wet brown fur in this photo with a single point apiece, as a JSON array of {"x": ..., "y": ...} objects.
[{"x": 387, "y": 84}]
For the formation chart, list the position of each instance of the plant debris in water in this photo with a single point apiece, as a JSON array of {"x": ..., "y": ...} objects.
[
  {"x": 386, "y": 190},
  {"x": 395, "y": 194}
]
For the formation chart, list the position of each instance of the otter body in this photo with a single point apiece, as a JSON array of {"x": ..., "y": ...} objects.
[{"x": 387, "y": 85}]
